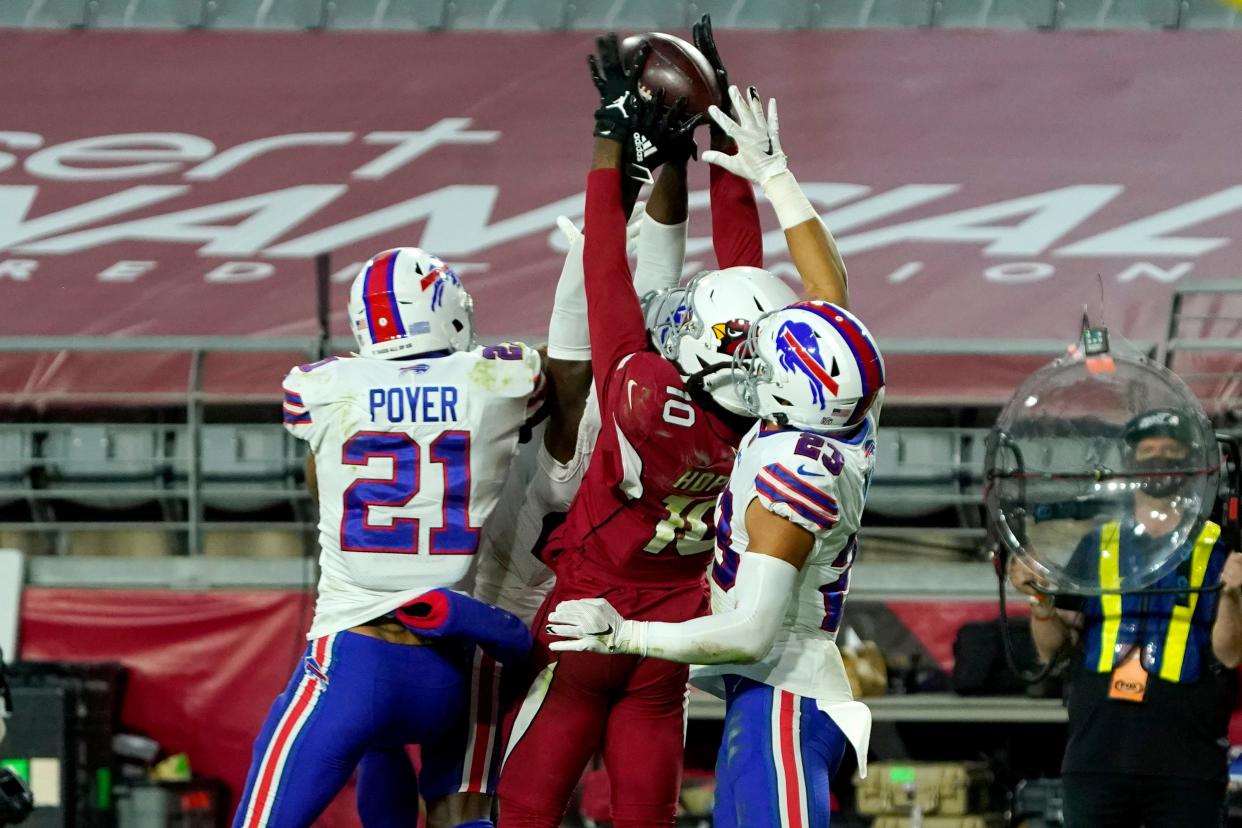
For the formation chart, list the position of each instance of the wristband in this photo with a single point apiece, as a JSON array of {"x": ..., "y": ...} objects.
[{"x": 791, "y": 204}]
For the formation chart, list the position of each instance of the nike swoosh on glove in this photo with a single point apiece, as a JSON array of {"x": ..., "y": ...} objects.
[
  {"x": 759, "y": 155},
  {"x": 591, "y": 625}
]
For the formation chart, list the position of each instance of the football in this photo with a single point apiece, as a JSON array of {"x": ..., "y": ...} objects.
[{"x": 678, "y": 68}]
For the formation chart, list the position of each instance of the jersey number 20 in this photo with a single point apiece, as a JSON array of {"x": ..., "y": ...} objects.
[{"x": 451, "y": 451}]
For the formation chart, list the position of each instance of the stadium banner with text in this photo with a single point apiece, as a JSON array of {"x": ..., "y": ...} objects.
[{"x": 983, "y": 186}]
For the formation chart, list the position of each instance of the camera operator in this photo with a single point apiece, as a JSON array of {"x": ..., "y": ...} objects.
[{"x": 1153, "y": 682}]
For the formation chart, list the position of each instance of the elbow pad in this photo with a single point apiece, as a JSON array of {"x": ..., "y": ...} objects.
[{"x": 443, "y": 613}]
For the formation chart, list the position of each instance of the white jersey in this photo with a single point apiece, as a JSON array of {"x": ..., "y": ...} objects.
[
  {"x": 819, "y": 483},
  {"x": 410, "y": 457},
  {"x": 509, "y": 575}
]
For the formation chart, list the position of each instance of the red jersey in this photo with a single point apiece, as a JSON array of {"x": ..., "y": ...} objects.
[{"x": 644, "y": 513}]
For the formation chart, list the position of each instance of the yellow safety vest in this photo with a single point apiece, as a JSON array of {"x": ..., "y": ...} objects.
[{"x": 1174, "y": 650}]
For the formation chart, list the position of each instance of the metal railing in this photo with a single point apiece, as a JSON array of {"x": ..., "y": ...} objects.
[
  {"x": 193, "y": 400},
  {"x": 546, "y": 15},
  {"x": 179, "y": 479}
]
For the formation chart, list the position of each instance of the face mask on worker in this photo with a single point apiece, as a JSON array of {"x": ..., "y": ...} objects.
[{"x": 1160, "y": 476}]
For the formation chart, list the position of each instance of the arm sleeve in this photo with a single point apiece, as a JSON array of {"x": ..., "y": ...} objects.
[
  {"x": 661, "y": 254},
  {"x": 443, "y": 613},
  {"x": 736, "y": 234},
  {"x": 614, "y": 316},
  {"x": 743, "y": 634},
  {"x": 568, "y": 336}
]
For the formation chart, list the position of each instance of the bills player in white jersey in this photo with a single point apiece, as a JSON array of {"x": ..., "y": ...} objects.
[
  {"x": 410, "y": 442},
  {"x": 786, "y": 529}
]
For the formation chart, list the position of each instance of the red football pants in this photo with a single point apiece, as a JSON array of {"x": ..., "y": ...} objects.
[{"x": 631, "y": 708}]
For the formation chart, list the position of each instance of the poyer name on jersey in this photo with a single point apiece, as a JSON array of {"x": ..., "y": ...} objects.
[{"x": 423, "y": 403}]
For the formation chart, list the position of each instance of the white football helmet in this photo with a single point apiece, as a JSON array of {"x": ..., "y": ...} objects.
[
  {"x": 405, "y": 301},
  {"x": 700, "y": 327},
  {"x": 811, "y": 365}
]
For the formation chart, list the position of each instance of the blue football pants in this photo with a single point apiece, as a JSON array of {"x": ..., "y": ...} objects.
[
  {"x": 351, "y": 695},
  {"x": 777, "y": 755}
]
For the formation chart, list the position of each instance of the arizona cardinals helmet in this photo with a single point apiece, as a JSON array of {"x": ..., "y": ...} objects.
[{"x": 701, "y": 326}]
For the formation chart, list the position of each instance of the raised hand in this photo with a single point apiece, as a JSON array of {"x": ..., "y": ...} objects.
[
  {"x": 705, "y": 42},
  {"x": 617, "y": 82},
  {"x": 759, "y": 155},
  {"x": 659, "y": 134}
]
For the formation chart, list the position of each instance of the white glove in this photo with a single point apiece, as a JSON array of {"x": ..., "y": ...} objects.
[
  {"x": 632, "y": 229},
  {"x": 592, "y": 626},
  {"x": 759, "y": 155}
]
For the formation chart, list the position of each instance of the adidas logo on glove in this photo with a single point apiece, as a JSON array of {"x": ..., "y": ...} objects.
[{"x": 642, "y": 147}]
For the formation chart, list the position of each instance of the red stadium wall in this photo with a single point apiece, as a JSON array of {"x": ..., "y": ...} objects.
[
  {"x": 204, "y": 667},
  {"x": 978, "y": 182}
]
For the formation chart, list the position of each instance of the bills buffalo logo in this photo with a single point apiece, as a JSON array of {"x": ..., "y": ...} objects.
[
  {"x": 799, "y": 353},
  {"x": 731, "y": 334},
  {"x": 418, "y": 368}
]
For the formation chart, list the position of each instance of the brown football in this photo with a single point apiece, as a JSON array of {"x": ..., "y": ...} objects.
[{"x": 678, "y": 68}]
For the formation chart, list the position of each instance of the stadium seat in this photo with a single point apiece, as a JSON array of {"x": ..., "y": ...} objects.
[
  {"x": 261, "y": 14},
  {"x": 512, "y": 15},
  {"x": 30, "y": 543},
  {"x": 875, "y": 14},
  {"x": 1208, "y": 14},
  {"x": 124, "y": 543},
  {"x": 914, "y": 469},
  {"x": 48, "y": 13},
  {"x": 246, "y": 468},
  {"x": 16, "y": 460},
  {"x": 661, "y": 15},
  {"x": 752, "y": 14},
  {"x": 146, "y": 14},
  {"x": 21, "y": 13},
  {"x": 1116, "y": 14},
  {"x": 124, "y": 463},
  {"x": 261, "y": 543},
  {"x": 997, "y": 14}
]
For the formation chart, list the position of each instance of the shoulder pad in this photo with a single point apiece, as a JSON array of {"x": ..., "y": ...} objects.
[
  {"x": 510, "y": 369},
  {"x": 799, "y": 491},
  {"x": 311, "y": 366}
]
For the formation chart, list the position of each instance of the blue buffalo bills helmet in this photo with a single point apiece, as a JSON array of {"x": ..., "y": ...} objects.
[
  {"x": 700, "y": 326},
  {"x": 812, "y": 365},
  {"x": 405, "y": 301}
]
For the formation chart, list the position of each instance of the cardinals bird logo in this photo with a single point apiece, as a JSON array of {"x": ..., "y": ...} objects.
[
  {"x": 731, "y": 334},
  {"x": 799, "y": 352}
]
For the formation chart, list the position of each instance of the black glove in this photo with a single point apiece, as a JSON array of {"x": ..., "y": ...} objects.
[
  {"x": 658, "y": 134},
  {"x": 705, "y": 42},
  {"x": 617, "y": 82}
]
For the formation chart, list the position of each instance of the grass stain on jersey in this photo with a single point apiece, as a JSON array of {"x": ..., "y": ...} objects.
[{"x": 496, "y": 376}]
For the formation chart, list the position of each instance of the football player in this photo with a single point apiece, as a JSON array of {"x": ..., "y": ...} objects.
[
  {"x": 410, "y": 442},
  {"x": 786, "y": 529},
  {"x": 640, "y": 527}
]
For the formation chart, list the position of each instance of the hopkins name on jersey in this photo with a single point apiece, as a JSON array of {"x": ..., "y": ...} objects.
[
  {"x": 819, "y": 483},
  {"x": 410, "y": 457}
]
